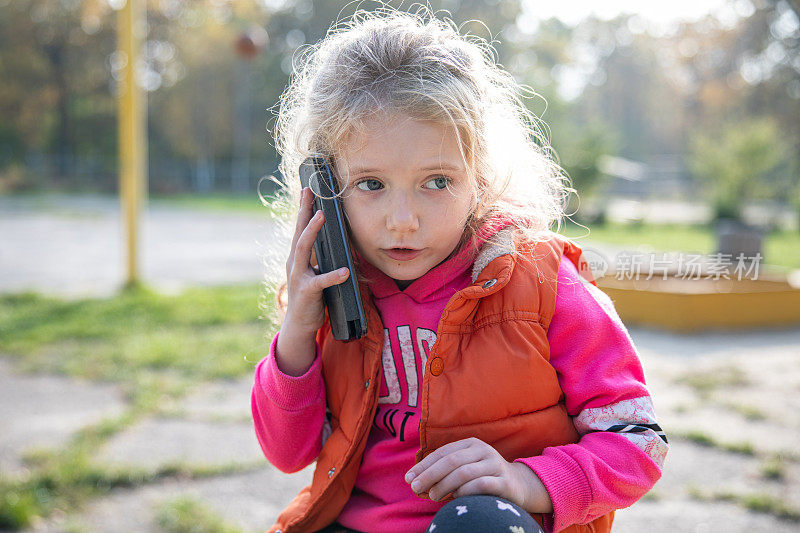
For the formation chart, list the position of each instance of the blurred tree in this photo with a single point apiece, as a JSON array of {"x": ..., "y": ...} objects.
[
  {"x": 582, "y": 153},
  {"x": 750, "y": 68},
  {"x": 190, "y": 57},
  {"x": 602, "y": 86},
  {"x": 769, "y": 66},
  {"x": 55, "y": 87},
  {"x": 632, "y": 92},
  {"x": 534, "y": 54},
  {"x": 301, "y": 23},
  {"x": 736, "y": 73},
  {"x": 741, "y": 162},
  {"x": 191, "y": 66},
  {"x": 558, "y": 62}
]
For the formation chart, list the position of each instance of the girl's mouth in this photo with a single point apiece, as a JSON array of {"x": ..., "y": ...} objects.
[{"x": 402, "y": 254}]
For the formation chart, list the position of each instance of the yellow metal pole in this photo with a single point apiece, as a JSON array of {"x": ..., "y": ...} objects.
[{"x": 132, "y": 131}]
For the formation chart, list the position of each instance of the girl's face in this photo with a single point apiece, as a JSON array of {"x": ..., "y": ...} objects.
[{"x": 409, "y": 194}]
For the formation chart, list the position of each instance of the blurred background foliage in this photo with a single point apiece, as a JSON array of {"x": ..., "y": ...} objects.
[{"x": 705, "y": 109}]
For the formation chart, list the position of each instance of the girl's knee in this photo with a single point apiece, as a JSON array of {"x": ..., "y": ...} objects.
[{"x": 483, "y": 513}]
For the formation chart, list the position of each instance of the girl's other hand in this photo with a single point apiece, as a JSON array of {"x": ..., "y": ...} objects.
[
  {"x": 470, "y": 466},
  {"x": 305, "y": 309}
]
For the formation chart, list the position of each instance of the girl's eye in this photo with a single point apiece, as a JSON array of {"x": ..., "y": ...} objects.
[
  {"x": 369, "y": 185},
  {"x": 437, "y": 183}
]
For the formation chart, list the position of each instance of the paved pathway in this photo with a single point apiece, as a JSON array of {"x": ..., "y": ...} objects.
[
  {"x": 74, "y": 246},
  {"x": 45, "y": 411}
]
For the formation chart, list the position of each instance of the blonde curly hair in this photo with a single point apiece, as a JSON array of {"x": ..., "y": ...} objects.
[{"x": 413, "y": 63}]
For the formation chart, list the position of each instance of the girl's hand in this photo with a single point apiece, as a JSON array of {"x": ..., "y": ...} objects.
[
  {"x": 470, "y": 466},
  {"x": 305, "y": 308}
]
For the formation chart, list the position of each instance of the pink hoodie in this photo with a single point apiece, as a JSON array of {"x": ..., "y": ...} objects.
[{"x": 599, "y": 372}]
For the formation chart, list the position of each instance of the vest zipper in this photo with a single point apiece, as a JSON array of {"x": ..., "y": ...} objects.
[
  {"x": 321, "y": 500},
  {"x": 425, "y": 373}
]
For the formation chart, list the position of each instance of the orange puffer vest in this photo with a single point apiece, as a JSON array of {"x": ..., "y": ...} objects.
[{"x": 487, "y": 376}]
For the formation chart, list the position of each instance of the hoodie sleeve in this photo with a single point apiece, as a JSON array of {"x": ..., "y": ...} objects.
[
  {"x": 288, "y": 412},
  {"x": 622, "y": 449}
]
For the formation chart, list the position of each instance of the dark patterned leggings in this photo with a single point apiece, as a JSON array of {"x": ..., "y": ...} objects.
[{"x": 473, "y": 514}]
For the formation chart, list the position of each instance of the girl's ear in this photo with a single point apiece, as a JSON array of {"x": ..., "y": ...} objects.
[{"x": 282, "y": 299}]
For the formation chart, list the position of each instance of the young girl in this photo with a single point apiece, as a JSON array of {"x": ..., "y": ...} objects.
[{"x": 493, "y": 375}]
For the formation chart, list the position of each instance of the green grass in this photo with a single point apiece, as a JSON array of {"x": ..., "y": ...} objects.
[
  {"x": 757, "y": 502},
  {"x": 243, "y": 203},
  {"x": 661, "y": 237},
  {"x": 705, "y": 382},
  {"x": 61, "y": 479},
  {"x": 750, "y": 412},
  {"x": 781, "y": 248},
  {"x": 699, "y": 437},
  {"x": 774, "y": 469},
  {"x": 704, "y": 439},
  {"x": 186, "y": 515},
  {"x": 764, "y": 503},
  {"x": 200, "y": 334}
]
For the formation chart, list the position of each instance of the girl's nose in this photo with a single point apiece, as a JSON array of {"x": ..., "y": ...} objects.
[{"x": 402, "y": 216}]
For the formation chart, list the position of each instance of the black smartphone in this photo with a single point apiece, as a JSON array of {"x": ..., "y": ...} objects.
[{"x": 332, "y": 248}]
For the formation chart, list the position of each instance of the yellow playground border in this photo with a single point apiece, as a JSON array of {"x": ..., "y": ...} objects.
[{"x": 687, "y": 305}]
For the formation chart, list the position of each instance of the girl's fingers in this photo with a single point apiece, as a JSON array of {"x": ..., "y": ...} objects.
[
  {"x": 303, "y": 253},
  {"x": 434, "y": 456},
  {"x": 323, "y": 281},
  {"x": 459, "y": 477},
  {"x": 303, "y": 215},
  {"x": 451, "y": 470},
  {"x": 305, "y": 242},
  {"x": 478, "y": 485},
  {"x": 300, "y": 223}
]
